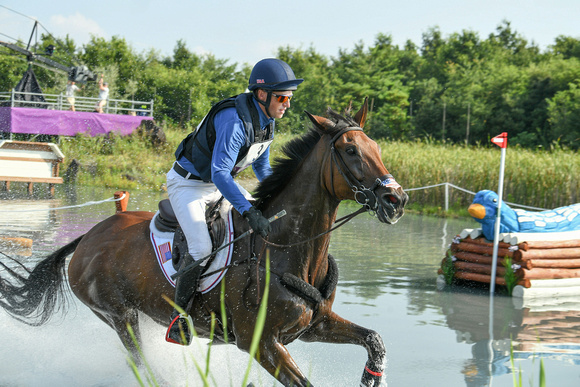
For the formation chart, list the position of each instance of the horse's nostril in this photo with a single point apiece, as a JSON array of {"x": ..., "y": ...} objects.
[{"x": 392, "y": 199}]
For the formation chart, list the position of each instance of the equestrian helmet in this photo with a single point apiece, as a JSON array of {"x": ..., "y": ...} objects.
[{"x": 273, "y": 74}]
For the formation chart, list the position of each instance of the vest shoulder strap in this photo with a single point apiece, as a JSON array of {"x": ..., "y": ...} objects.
[{"x": 191, "y": 138}]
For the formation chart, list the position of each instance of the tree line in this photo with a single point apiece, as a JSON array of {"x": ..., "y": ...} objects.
[{"x": 459, "y": 89}]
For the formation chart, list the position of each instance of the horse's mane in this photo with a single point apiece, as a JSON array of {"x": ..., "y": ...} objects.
[{"x": 293, "y": 152}]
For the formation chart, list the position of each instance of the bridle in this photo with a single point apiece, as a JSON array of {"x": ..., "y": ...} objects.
[{"x": 364, "y": 196}]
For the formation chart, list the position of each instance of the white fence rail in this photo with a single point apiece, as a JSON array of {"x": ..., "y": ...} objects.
[{"x": 85, "y": 104}]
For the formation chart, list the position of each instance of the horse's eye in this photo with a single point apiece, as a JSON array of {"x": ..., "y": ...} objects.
[{"x": 351, "y": 150}]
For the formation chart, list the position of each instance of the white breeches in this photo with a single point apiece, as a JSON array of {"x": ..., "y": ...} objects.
[{"x": 189, "y": 199}]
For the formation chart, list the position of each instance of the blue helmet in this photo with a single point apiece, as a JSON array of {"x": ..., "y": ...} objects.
[{"x": 273, "y": 74}]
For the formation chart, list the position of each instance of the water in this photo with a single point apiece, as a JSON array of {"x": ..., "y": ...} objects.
[{"x": 387, "y": 282}]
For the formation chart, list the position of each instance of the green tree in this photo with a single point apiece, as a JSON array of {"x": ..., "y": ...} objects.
[
  {"x": 567, "y": 47},
  {"x": 427, "y": 119},
  {"x": 564, "y": 116},
  {"x": 374, "y": 73},
  {"x": 117, "y": 56},
  {"x": 12, "y": 68},
  {"x": 315, "y": 94},
  {"x": 183, "y": 58}
]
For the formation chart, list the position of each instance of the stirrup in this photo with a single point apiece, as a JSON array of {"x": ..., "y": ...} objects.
[{"x": 179, "y": 331}]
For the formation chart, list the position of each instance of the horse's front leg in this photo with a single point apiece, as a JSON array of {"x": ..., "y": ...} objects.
[
  {"x": 275, "y": 358},
  {"x": 332, "y": 328}
]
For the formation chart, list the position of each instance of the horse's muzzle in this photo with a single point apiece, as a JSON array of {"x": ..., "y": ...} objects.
[{"x": 392, "y": 205}]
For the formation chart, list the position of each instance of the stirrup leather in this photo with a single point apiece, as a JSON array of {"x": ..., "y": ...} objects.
[{"x": 179, "y": 330}]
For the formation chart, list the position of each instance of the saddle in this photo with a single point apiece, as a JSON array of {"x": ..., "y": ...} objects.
[{"x": 166, "y": 221}]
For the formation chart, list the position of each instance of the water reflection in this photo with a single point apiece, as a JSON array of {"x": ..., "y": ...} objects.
[
  {"x": 548, "y": 330},
  {"x": 402, "y": 260},
  {"x": 372, "y": 255},
  {"x": 387, "y": 282}
]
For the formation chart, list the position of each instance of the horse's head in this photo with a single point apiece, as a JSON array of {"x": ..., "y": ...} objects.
[{"x": 355, "y": 168}]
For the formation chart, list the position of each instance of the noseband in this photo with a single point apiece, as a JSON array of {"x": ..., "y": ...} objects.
[{"x": 362, "y": 195}]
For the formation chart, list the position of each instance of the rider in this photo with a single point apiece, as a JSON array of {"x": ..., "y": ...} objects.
[{"x": 235, "y": 134}]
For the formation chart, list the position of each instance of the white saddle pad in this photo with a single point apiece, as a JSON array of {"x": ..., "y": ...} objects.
[{"x": 162, "y": 244}]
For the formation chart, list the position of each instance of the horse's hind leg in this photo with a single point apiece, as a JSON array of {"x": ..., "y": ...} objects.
[{"x": 130, "y": 317}]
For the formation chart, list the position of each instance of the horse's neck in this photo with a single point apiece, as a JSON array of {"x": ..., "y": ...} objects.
[{"x": 310, "y": 212}]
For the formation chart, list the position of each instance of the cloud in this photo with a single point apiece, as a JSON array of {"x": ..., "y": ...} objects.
[
  {"x": 201, "y": 51},
  {"x": 77, "y": 26}
]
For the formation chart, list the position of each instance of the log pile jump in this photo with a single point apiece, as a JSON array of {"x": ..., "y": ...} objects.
[{"x": 544, "y": 264}]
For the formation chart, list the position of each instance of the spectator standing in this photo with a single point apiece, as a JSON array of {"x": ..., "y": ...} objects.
[
  {"x": 71, "y": 88},
  {"x": 103, "y": 95}
]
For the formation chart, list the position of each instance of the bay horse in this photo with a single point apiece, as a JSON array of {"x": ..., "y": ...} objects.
[{"x": 114, "y": 271}]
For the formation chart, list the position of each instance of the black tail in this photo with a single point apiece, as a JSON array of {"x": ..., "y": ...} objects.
[{"x": 32, "y": 298}]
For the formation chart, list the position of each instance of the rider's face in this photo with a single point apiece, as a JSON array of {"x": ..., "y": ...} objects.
[{"x": 278, "y": 102}]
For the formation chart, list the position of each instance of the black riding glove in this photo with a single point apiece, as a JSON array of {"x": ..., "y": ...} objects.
[{"x": 257, "y": 221}]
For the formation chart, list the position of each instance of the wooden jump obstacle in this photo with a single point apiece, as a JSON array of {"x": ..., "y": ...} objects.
[
  {"x": 545, "y": 264},
  {"x": 30, "y": 162}
]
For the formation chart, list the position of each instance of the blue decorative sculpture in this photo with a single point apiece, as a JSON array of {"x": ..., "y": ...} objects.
[{"x": 484, "y": 210}]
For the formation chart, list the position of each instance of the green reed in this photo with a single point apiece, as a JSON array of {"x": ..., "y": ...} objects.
[
  {"x": 448, "y": 268},
  {"x": 260, "y": 320},
  {"x": 540, "y": 178},
  {"x": 510, "y": 277},
  {"x": 517, "y": 380},
  {"x": 204, "y": 372},
  {"x": 545, "y": 179},
  {"x": 150, "y": 375}
]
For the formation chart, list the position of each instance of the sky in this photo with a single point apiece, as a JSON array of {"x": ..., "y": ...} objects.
[{"x": 246, "y": 31}]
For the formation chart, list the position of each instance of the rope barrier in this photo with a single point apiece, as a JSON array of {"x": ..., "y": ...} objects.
[
  {"x": 447, "y": 185},
  {"x": 91, "y": 203}
]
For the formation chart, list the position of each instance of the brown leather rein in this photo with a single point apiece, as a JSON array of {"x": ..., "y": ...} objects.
[{"x": 366, "y": 197}]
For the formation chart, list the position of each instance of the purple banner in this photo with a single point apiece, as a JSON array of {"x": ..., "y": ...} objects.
[{"x": 65, "y": 123}]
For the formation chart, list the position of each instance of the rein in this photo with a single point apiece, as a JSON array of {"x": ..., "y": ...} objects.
[
  {"x": 341, "y": 222},
  {"x": 370, "y": 202}
]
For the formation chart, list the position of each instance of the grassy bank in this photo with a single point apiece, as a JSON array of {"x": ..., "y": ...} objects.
[{"x": 546, "y": 179}]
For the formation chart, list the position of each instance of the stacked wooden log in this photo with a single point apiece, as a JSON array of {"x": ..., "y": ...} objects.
[{"x": 532, "y": 260}]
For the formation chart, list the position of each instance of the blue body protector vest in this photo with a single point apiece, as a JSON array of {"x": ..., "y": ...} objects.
[{"x": 198, "y": 146}]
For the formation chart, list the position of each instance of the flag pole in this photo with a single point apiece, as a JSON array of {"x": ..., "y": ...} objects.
[{"x": 500, "y": 141}]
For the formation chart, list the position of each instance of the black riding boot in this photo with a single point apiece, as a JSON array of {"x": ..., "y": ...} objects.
[{"x": 179, "y": 331}]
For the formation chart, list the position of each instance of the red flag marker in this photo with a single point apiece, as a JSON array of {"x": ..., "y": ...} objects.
[{"x": 500, "y": 140}]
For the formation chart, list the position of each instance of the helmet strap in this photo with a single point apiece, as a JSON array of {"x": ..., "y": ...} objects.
[{"x": 266, "y": 104}]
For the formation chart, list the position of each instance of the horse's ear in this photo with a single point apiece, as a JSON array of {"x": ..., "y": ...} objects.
[
  {"x": 361, "y": 116},
  {"x": 320, "y": 123}
]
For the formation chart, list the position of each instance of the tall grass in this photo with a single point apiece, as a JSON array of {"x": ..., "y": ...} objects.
[
  {"x": 517, "y": 379},
  {"x": 205, "y": 373},
  {"x": 511, "y": 280},
  {"x": 546, "y": 179},
  {"x": 127, "y": 162}
]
